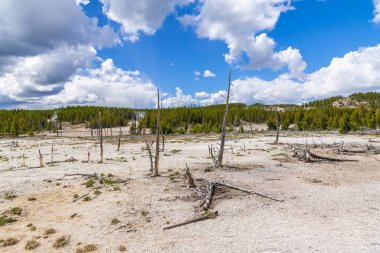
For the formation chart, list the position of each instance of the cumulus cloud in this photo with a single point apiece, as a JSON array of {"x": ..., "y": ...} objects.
[
  {"x": 107, "y": 86},
  {"x": 241, "y": 24},
  {"x": 143, "y": 16},
  {"x": 208, "y": 73},
  {"x": 356, "y": 71}
]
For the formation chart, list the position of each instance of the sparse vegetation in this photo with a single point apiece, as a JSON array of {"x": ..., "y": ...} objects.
[
  {"x": 10, "y": 241},
  {"x": 122, "y": 248},
  {"x": 97, "y": 192},
  {"x": 87, "y": 198},
  {"x": 6, "y": 220},
  {"x": 9, "y": 195},
  {"x": 90, "y": 183},
  {"x": 87, "y": 248},
  {"x": 16, "y": 210},
  {"x": 115, "y": 221},
  {"x": 32, "y": 244},
  {"x": 61, "y": 242},
  {"x": 49, "y": 231}
]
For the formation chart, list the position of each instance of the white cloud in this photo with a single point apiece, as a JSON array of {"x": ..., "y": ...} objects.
[
  {"x": 208, "y": 73},
  {"x": 107, "y": 86},
  {"x": 178, "y": 100},
  {"x": 33, "y": 77},
  {"x": 197, "y": 73},
  {"x": 142, "y": 16},
  {"x": 240, "y": 24},
  {"x": 376, "y": 19},
  {"x": 357, "y": 71}
]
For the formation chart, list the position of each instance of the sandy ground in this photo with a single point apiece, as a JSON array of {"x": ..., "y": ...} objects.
[{"x": 328, "y": 207}]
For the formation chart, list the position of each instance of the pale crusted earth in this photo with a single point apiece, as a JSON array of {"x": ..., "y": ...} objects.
[{"x": 328, "y": 207}]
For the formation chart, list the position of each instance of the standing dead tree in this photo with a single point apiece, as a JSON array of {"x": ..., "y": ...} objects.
[
  {"x": 118, "y": 143},
  {"x": 189, "y": 180},
  {"x": 41, "y": 159},
  {"x": 157, "y": 158},
  {"x": 278, "y": 128},
  {"x": 219, "y": 162},
  {"x": 101, "y": 137},
  {"x": 149, "y": 145}
]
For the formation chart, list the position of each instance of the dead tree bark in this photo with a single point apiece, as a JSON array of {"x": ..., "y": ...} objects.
[
  {"x": 189, "y": 180},
  {"x": 52, "y": 153},
  {"x": 223, "y": 137},
  {"x": 101, "y": 137},
  {"x": 278, "y": 128},
  {"x": 41, "y": 159},
  {"x": 157, "y": 158},
  {"x": 88, "y": 157},
  {"x": 23, "y": 160},
  {"x": 148, "y": 147},
  {"x": 210, "y": 195}
]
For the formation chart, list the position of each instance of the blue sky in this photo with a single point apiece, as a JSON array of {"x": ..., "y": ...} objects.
[{"x": 117, "y": 52}]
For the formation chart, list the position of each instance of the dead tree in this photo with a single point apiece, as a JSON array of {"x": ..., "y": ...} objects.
[
  {"x": 149, "y": 145},
  {"x": 224, "y": 126},
  {"x": 278, "y": 128},
  {"x": 41, "y": 159},
  {"x": 88, "y": 157},
  {"x": 157, "y": 157},
  {"x": 101, "y": 137},
  {"x": 52, "y": 153},
  {"x": 189, "y": 180},
  {"x": 23, "y": 160}
]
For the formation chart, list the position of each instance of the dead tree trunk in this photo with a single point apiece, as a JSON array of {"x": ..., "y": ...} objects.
[
  {"x": 278, "y": 128},
  {"x": 23, "y": 160},
  {"x": 148, "y": 147},
  {"x": 52, "y": 153},
  {"x": 223, "y": 137},
  {"x": 157, "y": 158},
  {"x": 101, "y": 137},
  {"x": 41, "y": 159}
]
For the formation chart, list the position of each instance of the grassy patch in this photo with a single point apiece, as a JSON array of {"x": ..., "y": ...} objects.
[
  {"x": 61, "y": 242},
  {"x": 32, "y": 244},
  {"x": 50, "y": 231},
  {"x": 97, "y": 192},
  {"x": 115, "y": 221},
  {"x": 9, "y": 196},
  {"x": 90, "y": 183},
  {"x": 6, "y": 220},
  {"x": 109, "y": 181},
  {"x": 87, "y": 198},
  {"x": 10, "y": 241},
  {"x": 87, "y": 248},
  {"x": 16, "y": 210}
]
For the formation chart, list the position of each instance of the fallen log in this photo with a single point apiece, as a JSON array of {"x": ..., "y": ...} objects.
[
  {"x": 210, "y": 195},
  {"x": 329, "y": 158},
  {"x": 81, "y": 197},
  {"x": 211, "y": 215},
  {"x": 249, "y": 191}
]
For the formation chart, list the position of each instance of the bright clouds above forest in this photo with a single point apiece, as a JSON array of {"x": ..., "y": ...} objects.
[{"x": 118, "y": 52}]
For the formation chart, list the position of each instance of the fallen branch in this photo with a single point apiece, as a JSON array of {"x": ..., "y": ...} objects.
[
  {"x": 81, "y": 197},
  {"x": 76, "y": 174},
  {"x": 248, "y": 191},
  {"x": 329, "y": 158},
  {"x": 202, "y": 218}
]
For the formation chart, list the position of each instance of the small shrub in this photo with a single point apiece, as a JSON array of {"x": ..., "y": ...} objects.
[
  {"x": 122, "y": 248},
  {"x": 50, "y": 231},
  {"x": 115, "y": 221},
  {"x": 144, "y": 213},
  {"x": 76, "y": 196},
  {"x": 32, "y": 244},
  {"x": 97, "y": 192},
  {"x": 32, "y": 199},
  {"x": 87, "y": 248},
  {"x": 16, "y": 210},
  {"x": 5, "y": 220},
  {"x": 87, "y": 198},
  {"x": 10, "y": 241},
  {"x": 61, "y": 242},
  {"x": 9, "y": 196},
  {"x": 90, "y": 183}
]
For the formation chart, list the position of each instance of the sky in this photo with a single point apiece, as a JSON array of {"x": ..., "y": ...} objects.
[{"x": 119, "y": 52}]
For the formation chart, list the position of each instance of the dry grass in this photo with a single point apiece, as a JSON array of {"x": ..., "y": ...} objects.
[
  {"x": 10, "y": 241},
  {"x": 87, "y": 248},
  {"x": 122, "y": 248},
  {"x": 49, "y": 231},
  {"x": 61, "y": 242},
  {"x": 32, "y": 244},
  {"x": 5, "y": 220}
]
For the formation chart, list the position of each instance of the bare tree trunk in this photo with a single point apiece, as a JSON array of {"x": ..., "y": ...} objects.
[
  {"x": 148, "y": 147},
  {"x": 221, "y": 151},
  {"x": 101, "y": 137},
  {"x": 163, "y": 142},
  {"x": 52, "y": 153},
  {"x": 157, "y": 158},
  {"x": 41, "y": 159},
  {"x": 23, "y": 160},
  {"x": 278, "y": 128},
  {"x": 88, "y": 157},
  {"x": 250, "y": 126}
]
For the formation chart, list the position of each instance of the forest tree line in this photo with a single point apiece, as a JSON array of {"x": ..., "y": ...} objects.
[{"x": 316, "y": 115}]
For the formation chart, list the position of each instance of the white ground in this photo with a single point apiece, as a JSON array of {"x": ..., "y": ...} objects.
[{"x": 328, "y": 207}]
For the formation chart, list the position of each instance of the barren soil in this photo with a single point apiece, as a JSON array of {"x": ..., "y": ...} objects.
[{"x": 328, "y": 207}]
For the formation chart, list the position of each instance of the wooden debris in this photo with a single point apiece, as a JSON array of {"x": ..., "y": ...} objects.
[
  {"x": 189, "y": 180},
  {"x": 206, "y": 216}
]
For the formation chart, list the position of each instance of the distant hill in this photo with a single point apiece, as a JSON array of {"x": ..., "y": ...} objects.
[{"x": 356, "y": 100}]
